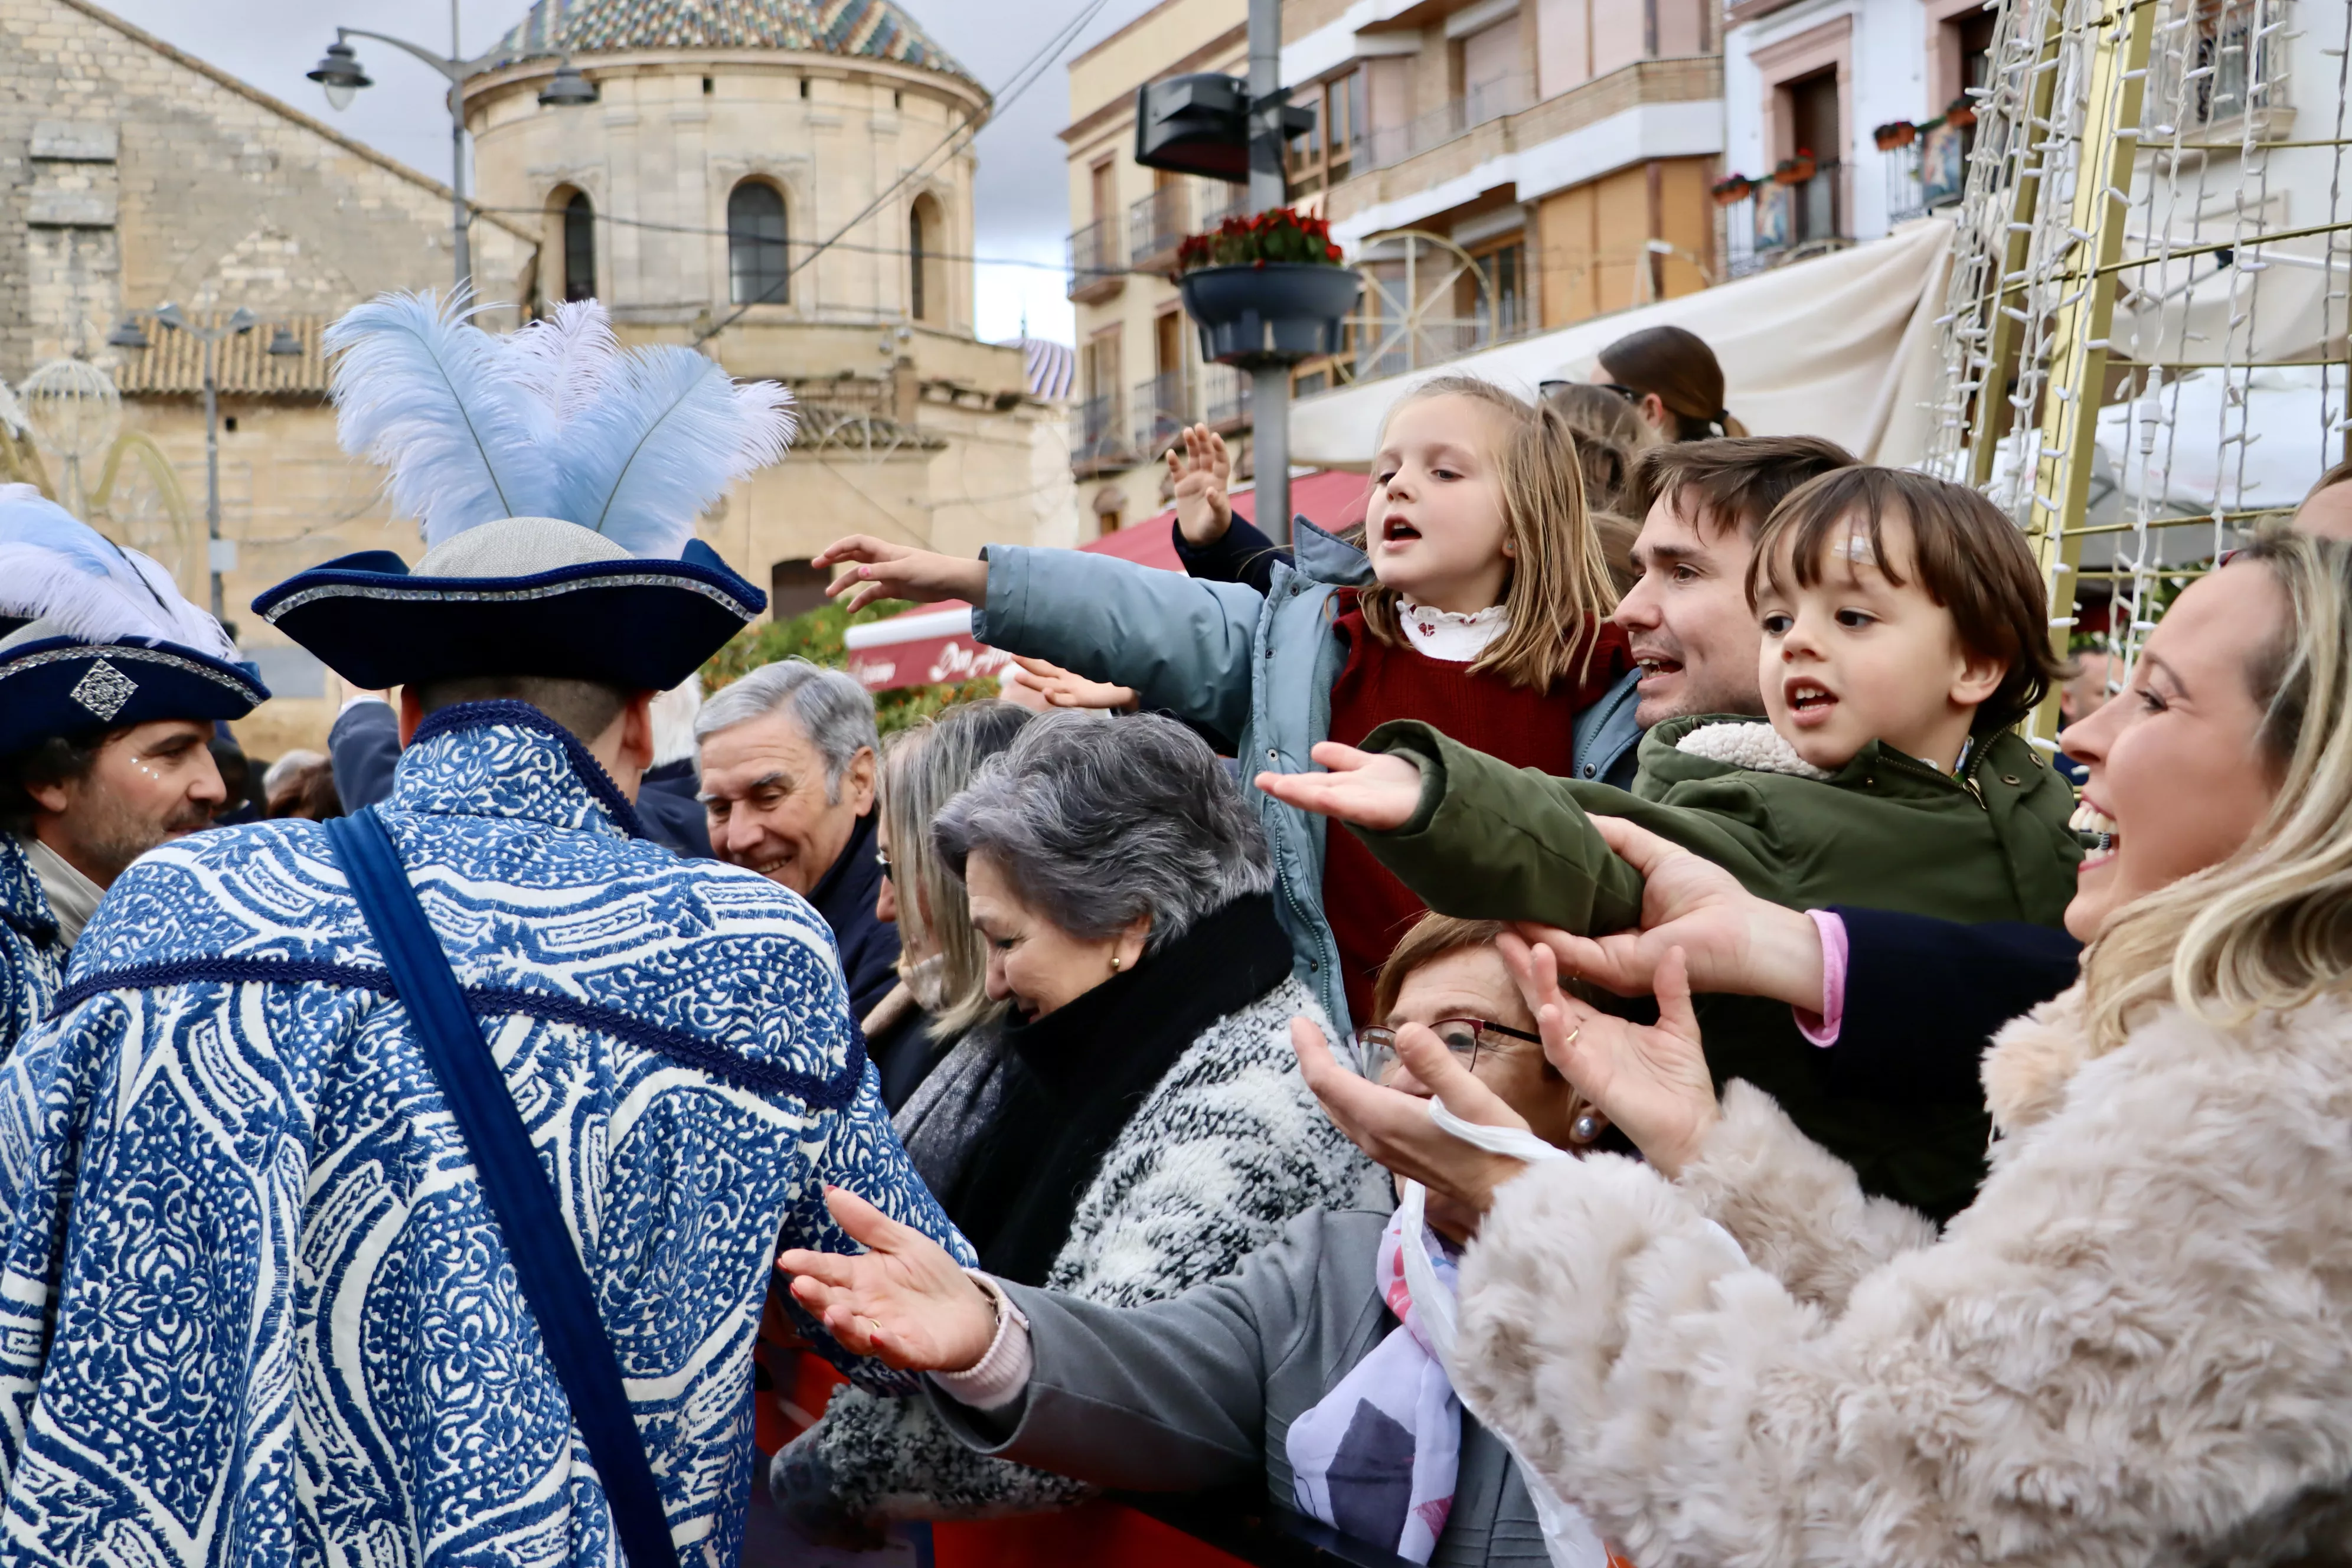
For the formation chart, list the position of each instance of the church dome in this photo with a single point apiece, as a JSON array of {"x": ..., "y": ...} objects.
[{"x": 867, "y": 30}]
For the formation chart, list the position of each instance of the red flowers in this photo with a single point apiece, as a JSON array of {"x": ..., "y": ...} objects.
[{"x": 1282, "y": 235}]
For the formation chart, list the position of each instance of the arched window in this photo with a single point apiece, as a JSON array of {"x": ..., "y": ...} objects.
[
  {"x": 926, "y": 268},
  {"x": 579, "y": 247},
  {"x": 758, "y": 267}
]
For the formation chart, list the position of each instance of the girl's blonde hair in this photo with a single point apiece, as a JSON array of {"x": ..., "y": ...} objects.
[
  {"x": 1558, "y": 591},
  {"x": 923, "y": 768},
  {"x": 2271, "y": 927}
]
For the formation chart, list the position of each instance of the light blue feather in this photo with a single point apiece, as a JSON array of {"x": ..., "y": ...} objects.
[
  {"x": 664, "y": 436},
  {"x": 58, "y": 569},
  {"x": 562, "y": 358},
  {"x": 420, "y": 390}
]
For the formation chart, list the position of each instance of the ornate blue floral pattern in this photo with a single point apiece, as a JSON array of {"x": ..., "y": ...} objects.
[
  {"x": 32, "y": 958},
  {"x": 252, "y": 1307}
]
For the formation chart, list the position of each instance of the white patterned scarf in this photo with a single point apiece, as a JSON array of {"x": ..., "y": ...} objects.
[{"x": 1376, "y": 1457}]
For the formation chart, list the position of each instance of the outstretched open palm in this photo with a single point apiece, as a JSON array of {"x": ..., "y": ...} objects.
[
  {"x": 1651, "y": 1080},
  {"x": 904, "y": 1301},
  {"x": 1371, "y": 789}
]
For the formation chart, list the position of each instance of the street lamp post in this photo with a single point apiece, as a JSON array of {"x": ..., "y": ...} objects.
[
  {"x": 220, "y": 556},
  {"x": 217, "y": 559},
  {"x": 341, "y": 75},
  {"x": 1270, "y": 394}
]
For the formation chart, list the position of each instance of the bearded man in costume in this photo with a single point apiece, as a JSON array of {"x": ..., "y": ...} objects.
[
  {"x": 110, "y": 683},
  {"x": 403, "y": 1189}
]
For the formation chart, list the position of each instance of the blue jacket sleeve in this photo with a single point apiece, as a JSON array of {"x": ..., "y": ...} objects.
[
  {"x": 1184, "y": 644},
  {"x": 363, "y": 748},
  {"x": 1924, "y": 996},
  {"x": 1244, "y": 555}
]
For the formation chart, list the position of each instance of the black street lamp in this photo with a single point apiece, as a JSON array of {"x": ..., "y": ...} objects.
[
  {"x": 341, "y": 75},
  {"x": 240, "y": 322}
]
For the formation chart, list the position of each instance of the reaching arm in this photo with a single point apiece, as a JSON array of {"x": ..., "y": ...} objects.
[
  {"x": 1182, "y": 646},
  {"x": 1489, "y": 841},
  {"x": 1924, "y": 996}
]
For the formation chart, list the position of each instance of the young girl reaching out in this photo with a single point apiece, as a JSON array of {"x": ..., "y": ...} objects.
[{"x": 1477, "y": 606}]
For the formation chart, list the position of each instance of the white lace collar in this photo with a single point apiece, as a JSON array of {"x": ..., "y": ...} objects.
[{"x": 1449, "y": 636}]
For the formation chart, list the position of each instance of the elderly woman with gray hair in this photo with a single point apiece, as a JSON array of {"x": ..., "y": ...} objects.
[{"x": 1153, "y": 1130}]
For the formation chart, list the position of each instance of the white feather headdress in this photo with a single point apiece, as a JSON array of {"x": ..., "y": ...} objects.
[
  {"x": 57, "y": 569},
  {"x": 555, "y": 420}
]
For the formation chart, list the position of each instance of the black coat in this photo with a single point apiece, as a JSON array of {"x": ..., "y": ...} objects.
[
  {"x": 670, "y": 806},
  {"x": 1924, "y": 996},
  {"x": 845, "y": 896}
]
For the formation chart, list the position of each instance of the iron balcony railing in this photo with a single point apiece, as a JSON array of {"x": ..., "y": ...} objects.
[
  {"x": 1224, "y": 396},
  {"x": 1156, "y": 226},
  {"x": 1162, "y": 409},
  {"x": 1095, "y": 261},
  {"x": 1390, "y": 144},
  {"x": 1098, "y": 436}
]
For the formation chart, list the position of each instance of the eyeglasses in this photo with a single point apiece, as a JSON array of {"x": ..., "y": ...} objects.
[
  {"x": 1621, "y": 389},
  {"x": 1468, "y": 1039},
  {"x": 882, "y": 858}
]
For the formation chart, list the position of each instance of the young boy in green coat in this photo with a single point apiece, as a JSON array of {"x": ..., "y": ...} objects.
[{"x": 1904, "y": 627}]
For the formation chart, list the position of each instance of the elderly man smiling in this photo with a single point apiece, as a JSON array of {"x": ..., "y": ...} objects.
[{"x": 788, "y": 779}]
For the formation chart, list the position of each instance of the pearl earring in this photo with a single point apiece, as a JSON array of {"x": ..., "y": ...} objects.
[
  {"x": 1114, "y": 964},
  {"x": 1586, "y": 1128}
]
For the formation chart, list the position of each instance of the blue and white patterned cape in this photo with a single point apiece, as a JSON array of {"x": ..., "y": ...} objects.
[
  {"x": 32, "y": 958},
  {"x": 252, "y": 1307}
]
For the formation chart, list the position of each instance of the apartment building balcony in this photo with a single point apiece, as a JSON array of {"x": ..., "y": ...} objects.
[
  {"x": 1784, "y": 223},
  {"x": 1649, "y": 110},
  {"x": 1163, "y": 406},
  {"x": 1232, "y": 201},
  {"x": 1387, "y": 146},
  {"x": 1097, "y": 270},
  {"x": 1099, "y": 437},
  {"x": 1156, "y": 226},
  {"x": 1225, "y": 398}
]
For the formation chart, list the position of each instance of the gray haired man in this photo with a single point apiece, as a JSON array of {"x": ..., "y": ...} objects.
[{"x": 788, "y": 782}]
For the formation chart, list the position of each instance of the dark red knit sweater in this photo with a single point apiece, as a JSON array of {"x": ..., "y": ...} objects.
[{"x": 1368, "y": 908}]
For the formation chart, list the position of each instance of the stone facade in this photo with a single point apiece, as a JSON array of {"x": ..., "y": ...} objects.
[{"x": 133, "y": 174}]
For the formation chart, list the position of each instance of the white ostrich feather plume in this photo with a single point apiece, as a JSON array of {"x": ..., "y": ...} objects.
[
  {"x": 59, "y": 570},
  {"x": 554, "y": 420}
]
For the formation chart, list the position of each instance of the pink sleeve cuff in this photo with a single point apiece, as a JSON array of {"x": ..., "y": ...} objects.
[
  {"x": 1001, "y": 1375},
  {"x": 1821, "y": 1028}
]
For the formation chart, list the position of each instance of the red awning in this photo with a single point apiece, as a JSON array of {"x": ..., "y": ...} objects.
[{"x": 933, "y": 643}]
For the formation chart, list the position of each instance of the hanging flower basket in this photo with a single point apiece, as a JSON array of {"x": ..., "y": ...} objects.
[
  {"x": 1732, "y": 190},
  {"x": 1266, "y": 290},
  {"x": 1961, "y": 113},
  {"x": 1794, "y": 171},
  {"x": 1895, "y": 134}
]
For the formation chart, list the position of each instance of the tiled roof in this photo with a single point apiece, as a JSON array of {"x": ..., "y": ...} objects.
[
  {"x": 876, "y": 29},
  {"x": 173, "y": 362}
]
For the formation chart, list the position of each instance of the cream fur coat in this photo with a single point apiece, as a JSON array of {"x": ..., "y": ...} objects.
[{"x": 2134, "y": 1348}]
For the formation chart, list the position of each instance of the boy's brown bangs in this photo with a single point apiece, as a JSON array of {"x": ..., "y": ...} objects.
[
  {"x": 1966, "y": 554},
  {"x": 1815, "y": 516}
]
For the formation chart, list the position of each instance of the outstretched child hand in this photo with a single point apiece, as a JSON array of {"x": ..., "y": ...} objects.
[
  {"x": 888, "y": 571},
  {"x": 1062, "y": 688},
  {"x": 1201, "y": 469},
  {"x": 1371, "y": 789},
  {"x": 903, "y": 1300}
]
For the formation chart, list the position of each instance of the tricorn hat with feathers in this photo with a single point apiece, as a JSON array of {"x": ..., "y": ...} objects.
[
  {"x": 557, "y": 477},
  {"x": 94, "y": 637}
]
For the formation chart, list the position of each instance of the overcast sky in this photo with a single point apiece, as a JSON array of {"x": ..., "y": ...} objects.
[{"x": 1023, "y": 204}]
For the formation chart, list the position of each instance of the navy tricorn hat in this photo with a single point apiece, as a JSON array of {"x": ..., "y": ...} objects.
[
  {"x": 94, "y": 637},
  {"x": 524, "y": 595},
  {"x": 558, "y": 477}
]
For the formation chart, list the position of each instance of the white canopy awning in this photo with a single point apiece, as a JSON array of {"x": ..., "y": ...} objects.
[{"x": 1841, "y": 346}]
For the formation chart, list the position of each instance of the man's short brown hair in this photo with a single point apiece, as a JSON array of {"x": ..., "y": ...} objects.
[
  {"x": 586, "y": 708},
  {"x": 1969, "y": 557},
  {"x": 1732, "y": 482}
]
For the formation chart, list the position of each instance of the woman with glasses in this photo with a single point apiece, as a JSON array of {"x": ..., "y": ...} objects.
[
  {"x": 1152, "y": 1128},
  {"x": 1308, "y": 1366}
]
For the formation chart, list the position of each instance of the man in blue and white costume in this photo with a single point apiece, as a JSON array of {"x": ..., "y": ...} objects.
[
  {"x": 109, "y": 682},
  {"x": 258, "y": 1303}
]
